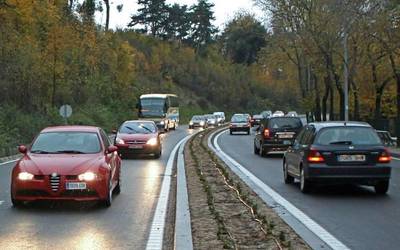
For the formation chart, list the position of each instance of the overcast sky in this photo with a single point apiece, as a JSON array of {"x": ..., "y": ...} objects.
[{"x": 224, "y": 10}]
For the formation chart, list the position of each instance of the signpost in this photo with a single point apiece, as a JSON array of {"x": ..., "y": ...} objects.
[{"x": 65, "y": 112}]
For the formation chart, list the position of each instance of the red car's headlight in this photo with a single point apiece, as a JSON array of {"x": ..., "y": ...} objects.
[
  {"x": 25, "y": 176},
  {"x": 88, "y": 176},
  {"x": 152, "y": 142},
  {"x": 119, "y": 141}
]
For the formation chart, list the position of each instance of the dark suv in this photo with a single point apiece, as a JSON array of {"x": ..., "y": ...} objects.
[{"x": 276, "y": 134}]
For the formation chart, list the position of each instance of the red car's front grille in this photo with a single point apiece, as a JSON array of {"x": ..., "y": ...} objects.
[
  {"x": 136, "y": 142},
  {"x": 55, "y": 183}
]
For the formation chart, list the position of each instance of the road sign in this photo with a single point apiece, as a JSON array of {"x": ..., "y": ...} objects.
[{"x": 65, "y": 111}]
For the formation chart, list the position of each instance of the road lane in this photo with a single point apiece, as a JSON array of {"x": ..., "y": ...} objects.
[
  {"x": 355, "y": 215},
  {"x": 125, "y": 225}
]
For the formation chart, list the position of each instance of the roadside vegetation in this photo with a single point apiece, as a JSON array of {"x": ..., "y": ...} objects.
[{"x": 54, "y": 53}]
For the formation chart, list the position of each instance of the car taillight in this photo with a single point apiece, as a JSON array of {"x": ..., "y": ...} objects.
[
  {"x": 315, "y": 157},
  {"x": 385, "y": 157},
  {"x": 267, "y": 133}
]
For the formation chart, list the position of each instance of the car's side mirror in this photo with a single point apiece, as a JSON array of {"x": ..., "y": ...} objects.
[
  {"x": 112, "y": 149},
  {"x": 22, "y": 149}
]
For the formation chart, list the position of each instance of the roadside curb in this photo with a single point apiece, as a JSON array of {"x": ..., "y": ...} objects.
[
  {"x": 8, "y": 159},
  {"x": 183, "y": 229}
]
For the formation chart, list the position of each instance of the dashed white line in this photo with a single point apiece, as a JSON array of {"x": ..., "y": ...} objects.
[
  {"x": 4, "y": 163},
  {"x": 155, "y": 240},
  {"x": 309, "y": 223}
]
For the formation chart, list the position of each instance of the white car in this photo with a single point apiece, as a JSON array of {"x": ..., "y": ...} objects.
[
  {"x": 221, "y": 116},
  {"x": 278, "y": 113}
]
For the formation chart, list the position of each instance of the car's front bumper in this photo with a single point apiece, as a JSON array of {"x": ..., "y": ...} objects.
[
  {"x": 367, "y": 175},
  {"x": 139, "y": 149},
  {"x": 33, "y": 190}
]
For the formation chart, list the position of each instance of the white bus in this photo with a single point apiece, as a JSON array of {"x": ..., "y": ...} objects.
[{"x": 159, "y": 108}]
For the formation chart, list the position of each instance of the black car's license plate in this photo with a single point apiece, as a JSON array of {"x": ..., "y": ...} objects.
[{"x": 350, "y": 158}]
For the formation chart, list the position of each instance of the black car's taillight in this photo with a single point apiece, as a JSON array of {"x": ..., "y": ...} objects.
[
  {"x": 315, "y": 157},
  {"x": 385, "y": 157}
]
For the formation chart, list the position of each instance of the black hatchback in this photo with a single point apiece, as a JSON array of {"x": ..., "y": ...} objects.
[
  {"x": 338, "y": 153},
  {"x": 276, "y": 134}
]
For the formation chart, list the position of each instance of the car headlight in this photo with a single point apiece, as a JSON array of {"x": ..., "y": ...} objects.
[
  {"x": 201, "y": 123},
  {"x": 25, "y": 176},
  {"x": 191, "y": 123},
  {"x": 119, "y": 141},
  {"x": 152, "y": 142},
  {"x": 88, "y": 176},
  {"x": 162, "y": 122}
]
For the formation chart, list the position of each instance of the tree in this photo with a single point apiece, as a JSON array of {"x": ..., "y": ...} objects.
[
  {"x": 177, "y": 25},
  {"x": 243, "y": 38},
  {"x": 202, "y": 28},
  {"x": 152, "y": 16}
]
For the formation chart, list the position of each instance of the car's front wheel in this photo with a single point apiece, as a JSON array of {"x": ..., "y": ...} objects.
[
  {"x": 382, "y": 187},
  {"x": 157, "y": 155},
  {"x": 108, "y": 201},
  {"x": 287, "y": 178},
  {"x": 262, "y": 151},
  {"x": 255, "y": 149}
]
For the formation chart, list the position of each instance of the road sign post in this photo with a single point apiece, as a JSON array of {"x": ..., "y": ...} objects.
[{"x": 65, "y": 112}]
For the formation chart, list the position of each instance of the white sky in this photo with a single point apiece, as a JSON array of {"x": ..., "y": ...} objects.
[{"x": 224, "y": 10}]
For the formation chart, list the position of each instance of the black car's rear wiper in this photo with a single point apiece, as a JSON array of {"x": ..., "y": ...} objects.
[
  {"x": 68, "y": 152},
  {"x": 40, "y": 152},
  {"x": 341, "y": 142}
]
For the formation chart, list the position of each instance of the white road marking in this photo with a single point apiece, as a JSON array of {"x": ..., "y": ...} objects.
[
  {"x": 394, "y": 158},
  {"x": 1, "y": 203},
  {"x": 155, "y": 240},
  {"x": 313, "y": 226},
  {"x": 4, "y": 163}
]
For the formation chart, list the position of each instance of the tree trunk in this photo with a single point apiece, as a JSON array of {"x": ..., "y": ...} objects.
[
  {"x": 107, "y": 2},
  {"x": 325, "y": 98},
  {"x": 317, "y": 98},
  {"x": 356, "y": 111},
  {"x": 378, "y": 101}
]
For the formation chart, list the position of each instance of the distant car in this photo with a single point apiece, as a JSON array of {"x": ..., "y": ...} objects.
[
  {"x": 198, "y": 121},
  {"x": 67, "y": 163},
  {"x": 266, "y": 113},
  {"x": 336, "y": 153},
  {"x": 276, "y": 134},
  {"x": 255, "y": 120},
  {"x": 292, "y": 113},
  {"x": 387, "y": 139},
  {"x": 221, "y": 116},
  {"x": 219, "y": 119},
  {"x": 239, "y": 123},
  {"x": 173, "y": 121},
  {"x": 211, "y": 120},
  {"x": 278, "y": 114},
  {"x": 137, "y": 138}
]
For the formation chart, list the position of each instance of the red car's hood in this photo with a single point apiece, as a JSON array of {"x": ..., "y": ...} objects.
[
  {"x": 139, "y": 137},
  {"x": 62, "y": 164}
]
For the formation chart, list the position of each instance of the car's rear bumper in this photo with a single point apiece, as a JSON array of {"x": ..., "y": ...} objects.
[
  {"x": 239, "y": 129},
  {"x": 275, "y": 147},
  {"x": 347, "y": 174}
]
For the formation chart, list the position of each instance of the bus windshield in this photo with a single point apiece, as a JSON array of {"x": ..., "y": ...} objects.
[{"x": 152, "y": 107}]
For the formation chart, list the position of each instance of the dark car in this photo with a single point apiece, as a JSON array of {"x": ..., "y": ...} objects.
[
  {"x": 276, "y": 134},
  {"x": 255, "y": 120},
  {"x": 266, "y": 113},
  {"x": 239, "y": 123},
  {"x": 198, "y": 121},
  {"x": 338, "y": 153},
  {"x": 138, "y": 137}
]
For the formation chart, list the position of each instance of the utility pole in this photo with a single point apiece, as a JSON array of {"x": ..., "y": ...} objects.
[{"x": 346, "y": 75}]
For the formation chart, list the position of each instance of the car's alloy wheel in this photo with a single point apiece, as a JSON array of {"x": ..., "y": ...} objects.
[
  {"x": 382, "y": 187},
  {"x": 262, "y": 151},
  {"x": 304, "y": 183},
  {"x": 117, "y": 189},
  {"x": 287, "y": 178},
  {"x": 255, "y": 148}
]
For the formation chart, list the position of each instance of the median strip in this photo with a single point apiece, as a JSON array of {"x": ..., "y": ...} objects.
[{"x": 225, "y": 213}]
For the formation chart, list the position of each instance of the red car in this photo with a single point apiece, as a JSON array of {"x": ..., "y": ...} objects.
[
  {"x": 67, "y": 163},
  {"x": 138, "y": 137}
]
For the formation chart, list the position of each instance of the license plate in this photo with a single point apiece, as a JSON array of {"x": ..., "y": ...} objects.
[
  {"x": 136, "y": 146},
  {"x": 349, "y": 158},
  {"x": 75, "y": 185},
  {"x": 286, "y": 142},
  {"x": 285, "y": 136}
]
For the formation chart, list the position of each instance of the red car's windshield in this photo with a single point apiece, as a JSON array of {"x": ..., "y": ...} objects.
[{"x": 66, "y": 142}]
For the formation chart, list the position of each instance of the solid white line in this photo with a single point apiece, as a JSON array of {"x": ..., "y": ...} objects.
[
  {"x": 314, "y": 227},
  {"x": 394, "y": 158},
  {"x": 155, "y": 240},
  {"x": 4, "y": 163},
  {"x": 1, "y": 203}
]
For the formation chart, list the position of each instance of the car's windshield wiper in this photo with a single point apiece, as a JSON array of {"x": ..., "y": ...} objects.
[
  {"x": 40, "y": 152},
  {"x": 341, "y": 142},
  {"x": 147, "y": 129},
  {"x": 132, "y": 129},
  {"x": 68, "y": 152}
]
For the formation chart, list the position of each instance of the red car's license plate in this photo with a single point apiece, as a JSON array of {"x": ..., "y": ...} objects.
[
  {"x": 75, "y": 185},
  {"x": 136, "y": 146},
  {"x": 349, "y": 158}
]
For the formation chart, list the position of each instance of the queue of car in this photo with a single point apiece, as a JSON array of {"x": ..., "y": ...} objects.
[{"x": 207, "y": 120}]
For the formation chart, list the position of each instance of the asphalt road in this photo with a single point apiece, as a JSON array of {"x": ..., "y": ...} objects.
[
  {"x": 354, "y": 215},
  {"x": 70, "y": 225}
]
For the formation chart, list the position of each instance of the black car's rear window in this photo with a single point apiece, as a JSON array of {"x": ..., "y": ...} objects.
[
  {"x": 285, "y": 122},
  {"x": 348, "y": 136}
]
